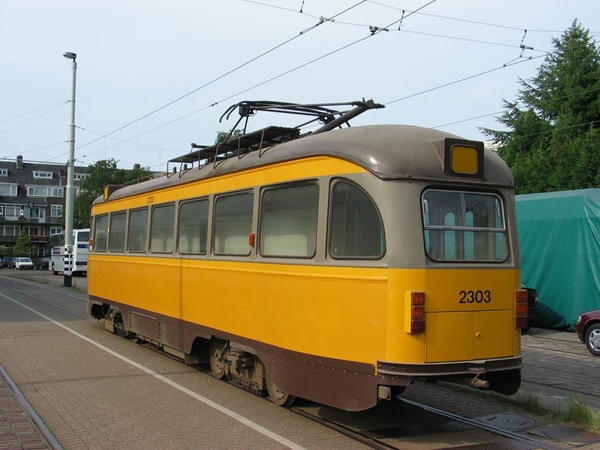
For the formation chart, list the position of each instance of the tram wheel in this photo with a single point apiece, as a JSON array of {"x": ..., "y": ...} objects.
[
  {"x": 278, "y": 396},
  {"x": 218, "y": 366}
]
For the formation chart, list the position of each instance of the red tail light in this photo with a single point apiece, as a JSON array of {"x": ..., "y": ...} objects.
[
  {"x": 521, "y": 308},
  {"x": 417, "y": 312}
]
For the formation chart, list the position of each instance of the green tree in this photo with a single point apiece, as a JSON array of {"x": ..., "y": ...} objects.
[
  {"x": 553, "y": 139},
  {"x": 23, "y": 245},
  {"x": 100, "y": 174},
  {"x": 222, "y": 135}
]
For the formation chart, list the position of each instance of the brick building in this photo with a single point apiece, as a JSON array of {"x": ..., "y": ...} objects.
[{"x": 33, "y": 198}]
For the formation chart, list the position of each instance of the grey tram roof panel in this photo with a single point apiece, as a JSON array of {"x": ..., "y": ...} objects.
[{"x": 388, "y": 151}]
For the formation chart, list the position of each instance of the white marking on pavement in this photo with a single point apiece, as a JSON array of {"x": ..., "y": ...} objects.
[{"x": 179, "y": 387}]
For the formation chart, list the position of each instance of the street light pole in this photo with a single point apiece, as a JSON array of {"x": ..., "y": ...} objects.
[{"x": 70, "y": 198}]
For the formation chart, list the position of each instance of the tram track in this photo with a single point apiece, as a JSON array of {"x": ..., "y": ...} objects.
[
  {"x": 51, "y": 305},
  {"x": 45, "y": 434},
  {"x": 366, "y": 437}
]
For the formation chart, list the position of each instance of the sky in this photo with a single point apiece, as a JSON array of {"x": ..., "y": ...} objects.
[{"x": 153, "y": 76}]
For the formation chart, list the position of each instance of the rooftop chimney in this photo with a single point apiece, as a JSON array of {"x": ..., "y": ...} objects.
[{"x": 19, "y": 162}]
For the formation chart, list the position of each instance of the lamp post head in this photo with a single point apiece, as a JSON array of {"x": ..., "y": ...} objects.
[{"x": 70, "y": 55}]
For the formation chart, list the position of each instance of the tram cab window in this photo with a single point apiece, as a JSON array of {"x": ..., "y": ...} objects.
[
  {"x": 288, "y": 221},
  {"x": 116, "y": 235},
  {"x": 100, "y": 233},
  {"x": 193, "y": 226},
  {"x": 464, "y": 226},
  {"x": 355, "y": 226},
  {"x": 233, "y": 224},
  {"x": 162, "y": 228}
]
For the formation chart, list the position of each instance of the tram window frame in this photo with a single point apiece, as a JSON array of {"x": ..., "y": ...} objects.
[
  {"x": 291, "y": 224},
  {"x": 100, "y": 233},
  {"x": 226, "y": 228},
  {"x": 360, "y": 237},
  {"x": 117, "y": 232},
  {"x": 197, "y": 235},
  {"x": 162, "y": 229},
  {"x": 137, "y": 231},
  {"x": 463, "y": 239}
]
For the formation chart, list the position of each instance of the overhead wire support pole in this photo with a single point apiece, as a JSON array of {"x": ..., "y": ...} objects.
[{"x": 70, "y": 194}]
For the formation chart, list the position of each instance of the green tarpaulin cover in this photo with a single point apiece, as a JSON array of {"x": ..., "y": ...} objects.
[{"x": 559, "y": 235}]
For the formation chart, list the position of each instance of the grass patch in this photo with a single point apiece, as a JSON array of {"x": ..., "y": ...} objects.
[
  {"x": 580, "y": 413},
  {"x": 576, "y": 412}
]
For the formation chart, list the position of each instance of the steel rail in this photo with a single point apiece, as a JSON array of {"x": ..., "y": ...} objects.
[
  {"x": 35, "y": 419},
  {"x": 476, "y": 424}
]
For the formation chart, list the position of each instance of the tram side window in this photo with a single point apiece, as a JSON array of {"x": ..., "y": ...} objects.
[
  {"x": 137, "y": 233},
  {"x": 116, "y": 234},
  {"x": 464, "y": 226},
  {"x": 162, "y": 227},
  {"x": 233, "y": 224},
  {"x": 355, "y": 226},
  {"x": 100, "y": 233},
  {"x": 193, "y": 226},
  {"x": 288, "y": 221}
]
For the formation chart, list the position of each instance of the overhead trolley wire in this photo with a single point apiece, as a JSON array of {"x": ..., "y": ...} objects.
[
  {"x": 283, "y": 73},
  {"x": 54, "y": 107},
  {"x": 321, "y": 21}
]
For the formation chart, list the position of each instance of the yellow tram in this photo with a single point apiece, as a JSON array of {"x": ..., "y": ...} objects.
[{"x": 337, "y": 266}]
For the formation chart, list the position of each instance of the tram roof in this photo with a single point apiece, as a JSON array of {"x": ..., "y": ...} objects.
[{"x": 387, "y": 151}]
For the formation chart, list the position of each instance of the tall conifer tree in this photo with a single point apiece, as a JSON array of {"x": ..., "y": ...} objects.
[{"x": 553, "y": 137}]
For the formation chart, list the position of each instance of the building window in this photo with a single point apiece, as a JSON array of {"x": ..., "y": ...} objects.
[
  {"x": 8, "y": 189},
  {"x": 288, "y": 224},
  {"x": 45, "y": 191},
  {"x": 55, "y": 230},
  {"x": 56, "y": 211},
  {"x": 35, "y": 212},
  {"x": 3, "y": 172},
  {"x": 35, "y": 231},
  {"x": 80, "y": 176},
  {"x": 42, "y": 175},
  {"x": 12, "y": 212},
  {"x": 10, "y": 230}
]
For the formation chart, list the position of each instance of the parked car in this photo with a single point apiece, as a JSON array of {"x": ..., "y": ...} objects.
[
  {"x": 43, "y": 264},
  {"x": 7, "y": 262},
  {"x": 587, "y": 326},
  {"x": 532, "y": 306},
  {"x": 23, "y": 263}
]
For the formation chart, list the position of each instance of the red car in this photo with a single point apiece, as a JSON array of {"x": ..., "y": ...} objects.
[{"x": 588, "y": 330}]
